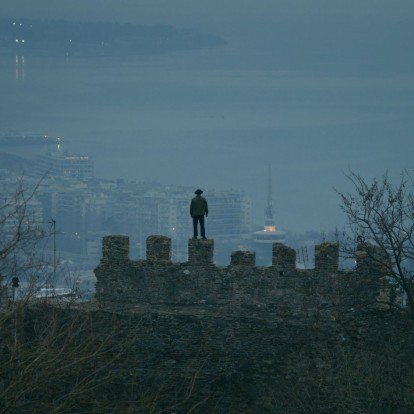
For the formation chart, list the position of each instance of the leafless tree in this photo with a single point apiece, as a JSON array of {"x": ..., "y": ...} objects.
[
  {"x": 82, "y": 360},
  {"x": 20, "y": 232},
  {"x": 380, "y": 213},
  {"x": 59, "y": 356},
  {"x": 36, "y": 354}
]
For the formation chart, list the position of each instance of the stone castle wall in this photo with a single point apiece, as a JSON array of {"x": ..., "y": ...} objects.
[
  {"x": 199, "y": 282},
  {"x": 196, "y": 337},
  {"x": 245, "y": 336}
]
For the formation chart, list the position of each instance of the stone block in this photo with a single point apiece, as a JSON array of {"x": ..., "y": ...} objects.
[
  {"x": 243, "y": 258},
  {"x": 283, "y": 257},
  {"x": 200, "y": 252},
  {"x": 159, "y": 249},
  {"x": 115, "y": 248},
  {"x": 327, "y": 257}
]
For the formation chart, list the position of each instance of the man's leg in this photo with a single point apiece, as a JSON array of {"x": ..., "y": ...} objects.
[
  {"x": 195, "y": 232},
  {"x": 202, "y": 228}
]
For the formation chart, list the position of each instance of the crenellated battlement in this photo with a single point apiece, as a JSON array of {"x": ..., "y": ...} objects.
[
  {"x": 115, "y": 249},
  {"x": 326, "y": 257},
  {"x": 156, "y": 280}
]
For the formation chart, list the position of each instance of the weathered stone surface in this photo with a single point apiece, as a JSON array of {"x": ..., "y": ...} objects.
[
  {"x": 159, "y": 249},
  {"x": 326, "y": 257},
  {"x": 195, "y": 337},
  {"x": 197, "y": 282},
  {"x": 283, "y": 258},
  {"x": 243, "y": 258},
  {"x": 115, "y": 248},
  {"x": 246, "y": 332},
  {"x": 200, "y": 252}
]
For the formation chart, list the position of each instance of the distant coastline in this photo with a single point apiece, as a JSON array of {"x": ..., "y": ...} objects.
[
  {"x": 49, "y": 38},
  {"x": 11, "y": 139}
]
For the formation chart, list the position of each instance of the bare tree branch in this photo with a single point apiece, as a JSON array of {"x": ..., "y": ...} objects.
[{"x": 381, "y": 213}]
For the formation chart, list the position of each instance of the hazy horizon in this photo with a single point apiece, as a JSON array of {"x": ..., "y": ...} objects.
[{"x": 310, "y": 90}]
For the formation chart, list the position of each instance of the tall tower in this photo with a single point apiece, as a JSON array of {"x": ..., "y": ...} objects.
[
  {"x": 264, "y": 239},
  {"x": 269, "y": 222}
]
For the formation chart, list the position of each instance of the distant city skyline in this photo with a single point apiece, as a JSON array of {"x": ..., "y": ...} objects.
[{"x": 314, "y": 89}]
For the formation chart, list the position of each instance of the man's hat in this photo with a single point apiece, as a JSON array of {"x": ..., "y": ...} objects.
[{"x": 198, "y": 192}]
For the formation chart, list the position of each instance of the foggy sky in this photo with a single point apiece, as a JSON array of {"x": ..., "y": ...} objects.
[{"x": 315, "y": 88}]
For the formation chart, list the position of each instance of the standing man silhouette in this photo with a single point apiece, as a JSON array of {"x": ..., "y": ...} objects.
[{"x": 199, "y": 209}]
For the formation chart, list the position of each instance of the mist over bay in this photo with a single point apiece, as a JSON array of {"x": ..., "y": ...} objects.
[{"x": 310, "y": 104}]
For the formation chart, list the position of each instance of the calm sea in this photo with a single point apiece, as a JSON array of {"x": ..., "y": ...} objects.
[{"x": 218, "y": 119}]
